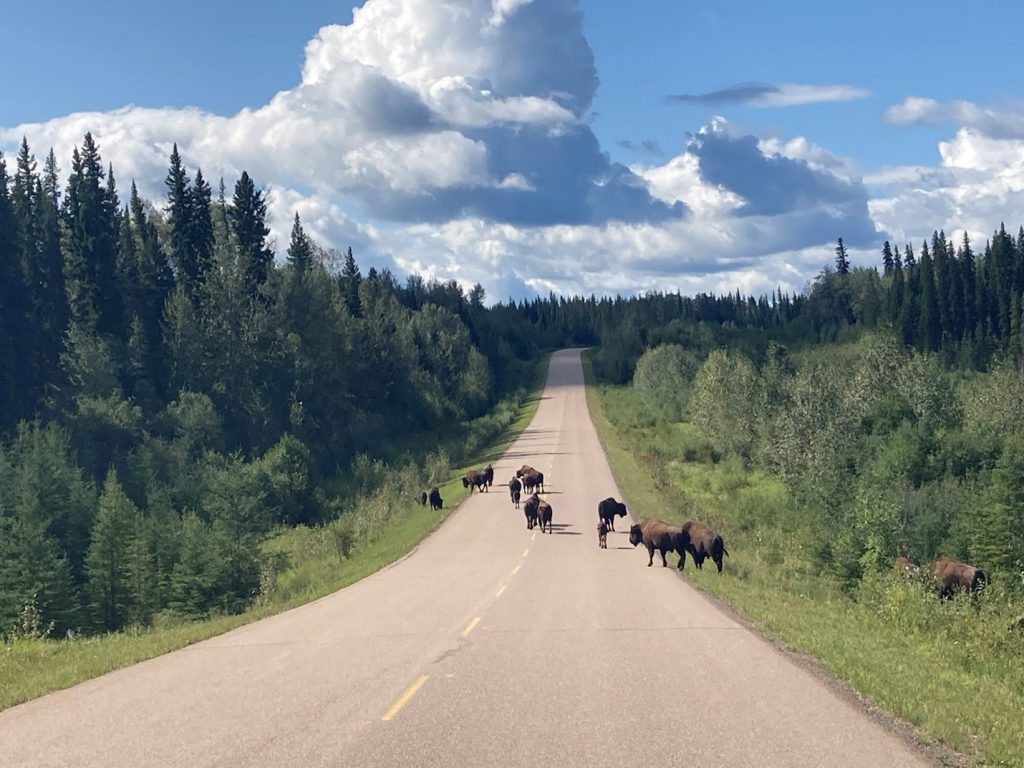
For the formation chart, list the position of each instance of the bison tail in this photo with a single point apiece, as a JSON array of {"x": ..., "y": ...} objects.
[{"x": 724, "y": 550}]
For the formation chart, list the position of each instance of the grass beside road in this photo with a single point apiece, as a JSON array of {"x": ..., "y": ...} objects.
[
  {"x": 311, "y": 567},
  {"x": 952, "y": 670}
]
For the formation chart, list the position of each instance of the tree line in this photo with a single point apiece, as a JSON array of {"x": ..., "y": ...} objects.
[{"x": 172, "y": 390}]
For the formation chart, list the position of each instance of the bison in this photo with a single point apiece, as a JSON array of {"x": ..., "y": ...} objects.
[
  {"x": 608, "y": 509},
  {"x": 422, "y": 499},
  {"x": 475, "y": 480},
  {"x": 515, "y": 489},
  {"x": 489, "y": 475},
  {"x": 602, "y": 535},
  {"x": 525, "y": 469},
  {"x": 530, "y": 509},
  {"x": 544, "y": 516},
  {"x": 952, "y": 575},
  {"x": 658, "y": 535},
  {"x": 704, "y": 543},
  {"x": 436, "y": 502},
  {"x": 533, "y": 481}
]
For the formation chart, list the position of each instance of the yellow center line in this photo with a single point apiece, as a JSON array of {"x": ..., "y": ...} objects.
[
  {"x": 409, "y": 693},
  {"x": 526, "y": 552},
  {"x": 516, "y": 569},
  {"x": 471, "y": 627},
  {"x": 534, "y": 536},
  {"x": 501, "y": 590}
]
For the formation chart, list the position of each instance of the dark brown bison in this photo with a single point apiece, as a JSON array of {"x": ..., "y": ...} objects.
[
  {"x": 475, "y": 480},
  {"x": 704, "y": 543},
  {"x": 658, "y": 535},
  {"x": 952, "y": 575},
  {"x": 602, "y": 535},
  {"x": 423, "y": 499},
  {"x": 515, "y": 490},
  {"x": 544, "y": 512},
  {"x": 436, "y": 502},
  {"x": 533, "y": 481},
  {"x": 531, "y": 509},
  {"x": 608, "y": 509},
  {"x": 489, "y": 475},
  {"x": 526, "y": 468}
]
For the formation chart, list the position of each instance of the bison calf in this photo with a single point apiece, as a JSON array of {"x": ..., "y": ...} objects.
[
  {"x": 608, "y": 509},
  {"x": 704, "y": 543},
  {"x": 658, "y": 535},
  {"x": 515, "y": 489},
  {"x": 602, "y": 535}
]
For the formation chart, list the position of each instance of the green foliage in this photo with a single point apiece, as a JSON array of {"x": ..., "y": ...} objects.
[{"x": 663, "y": 375}]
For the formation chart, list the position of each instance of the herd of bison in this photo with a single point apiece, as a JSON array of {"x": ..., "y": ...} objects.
[{"x": 949, "y": 576}]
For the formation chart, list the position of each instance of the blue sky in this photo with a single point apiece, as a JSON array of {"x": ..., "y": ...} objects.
[{"x": 539, "y": 145}]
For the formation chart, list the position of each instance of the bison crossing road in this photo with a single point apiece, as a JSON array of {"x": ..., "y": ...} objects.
[{"x": 485, "y": 646}]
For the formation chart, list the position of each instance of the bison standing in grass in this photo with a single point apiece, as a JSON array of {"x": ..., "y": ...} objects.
[
  {"x": 704, "y": 543},
  {"x": 952, "y": 576},
  {"x": 475, "y": 480},
  {"x": 436, "y": 502},
  {"x": 515, "y": 489},
  {"x": 658, "y": 535},
  {"x": 531, "y": 509},
  {"x": 608, "y": 509},
  {"x": 904, "y": 566}
]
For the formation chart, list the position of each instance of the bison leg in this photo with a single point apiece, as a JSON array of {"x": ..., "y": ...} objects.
[
  {"x": 664, "y": 562},
  {"x": 650, "y": 555},
  {"x": 718, "y": 562}
]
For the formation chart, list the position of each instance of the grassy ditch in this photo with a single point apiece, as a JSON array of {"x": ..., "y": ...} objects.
[
  {"x": 299, "y": 564},
  {"x": 953, "y": 670}
]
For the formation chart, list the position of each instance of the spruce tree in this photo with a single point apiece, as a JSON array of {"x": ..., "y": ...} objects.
[
  {"x": 842, "y": 259},
  {"x": 247, "y": 215},
  {"x": 107, "y": 561},
  {"x": 887, "y": 261},
  {"x": 350, "y": 280},
  {"x": 300, "y": 249},
  {"x": 929, "y": 329}
]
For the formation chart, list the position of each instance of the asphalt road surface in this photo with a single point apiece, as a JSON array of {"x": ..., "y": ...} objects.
[{"x": 490, "y": 645}]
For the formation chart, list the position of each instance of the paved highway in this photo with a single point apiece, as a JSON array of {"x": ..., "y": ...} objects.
[{"x": 490, "y": 645}]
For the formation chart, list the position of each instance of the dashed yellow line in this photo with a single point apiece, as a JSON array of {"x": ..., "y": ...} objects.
[
  {"x": 526, "y": 552},
  {"x": 409, "y": 693},
  {"x": 471, "y": 627},
  {"x": 503, "y": 586},
  {"x": 516, "y": 569}
]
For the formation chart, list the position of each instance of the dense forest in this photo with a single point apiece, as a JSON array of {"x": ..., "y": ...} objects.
[{"x": 172, "y": 390}]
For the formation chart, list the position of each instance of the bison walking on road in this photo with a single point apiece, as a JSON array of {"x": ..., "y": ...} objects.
[
  {"x": 525, "y": 469},
  {"x": 515, "y": 489},
  {"x": 531, "y": 509},
  {"x": 704, "y": 543},
  {"x": 952, "y": 576},
  {"x": 658, "y": 535},
  {"x": 475, "y": 480},
  {"x": 533, "y": 481},
  {"x": 608, "y": 509},
  {"x": 489, "y": 475},
  {"x": 544, "y": 513},
  {"x": 602, "y": 535}
]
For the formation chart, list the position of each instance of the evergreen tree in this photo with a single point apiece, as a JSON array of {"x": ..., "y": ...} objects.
[
  {"x": 887, "y": 260},
  {"x": 929, "y": 329},
  {"x": 300, "y": 249},
  {"x": 200, "y": 228},
  {"x": 107, "y": 562},
  {"x": 842, "y": 259},
  {"x": 968, "y": 286},
  {"x": 350, "y": 281},
  {"x": 247, "y": 214}
]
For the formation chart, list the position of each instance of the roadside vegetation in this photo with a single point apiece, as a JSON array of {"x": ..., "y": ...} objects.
[
  {"x": 296, "y": 564},
  {"x": 819, "y": 470}
]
